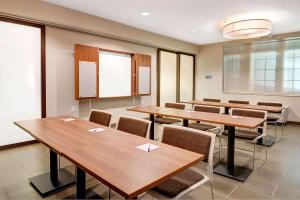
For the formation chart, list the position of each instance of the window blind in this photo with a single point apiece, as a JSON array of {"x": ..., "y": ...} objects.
[{"x": 267, "y": 67}]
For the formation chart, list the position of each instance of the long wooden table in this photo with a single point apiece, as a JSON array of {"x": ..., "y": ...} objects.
[
  {"x": 110, "y": 156},
  {"x": 228, "y": 169},
  {"x": 268, "y": 141}
]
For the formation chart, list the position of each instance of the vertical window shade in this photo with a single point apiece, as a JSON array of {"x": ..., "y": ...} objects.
[{"x": 267, "y": 68}]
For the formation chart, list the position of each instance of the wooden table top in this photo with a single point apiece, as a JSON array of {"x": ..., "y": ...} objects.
[
  {"x": 229, "y": 120},
  {"x": 111, "y": 155},
  {"x": 235, "y": 105}
]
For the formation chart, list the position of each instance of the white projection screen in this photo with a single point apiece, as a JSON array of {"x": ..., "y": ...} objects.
[
  {"x": 20, "y": 79},
  {"x": 114, "y": 74},
  {"x": 168, "y": 68},
  {"x": 186, "y": 77}
]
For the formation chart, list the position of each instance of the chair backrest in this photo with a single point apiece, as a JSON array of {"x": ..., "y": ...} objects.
[
  {"x": 190, "y": 139},
  {"x": 210, "y": 109},
  {"x": 269, "y": 104},
  {"x": 133, "y": 125},
  {"x": 175, "y": 105},
  {"x": 212, "y": 100},
  {"x": 100, "y": 117},
  {"x": 252, "y": 113},
  {"x": 238, "y": 102}
]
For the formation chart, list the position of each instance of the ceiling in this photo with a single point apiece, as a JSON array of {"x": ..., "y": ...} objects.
[{"x": 181, "y": 18}]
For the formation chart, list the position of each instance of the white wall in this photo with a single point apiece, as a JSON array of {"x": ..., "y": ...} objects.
[
  {"x": 60, "y": 74},
  {"x": 210, "y": 62}
]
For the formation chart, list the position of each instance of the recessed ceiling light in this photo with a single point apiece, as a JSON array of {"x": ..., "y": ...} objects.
[
  {"x": 145, "y": 13},
  {"x": 194, "y": 31}
]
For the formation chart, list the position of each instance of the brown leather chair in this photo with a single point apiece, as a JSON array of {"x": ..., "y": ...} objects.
[
  {"x": 133, "y": 125},
  {"x": 100, "y": 117},
  {"x": 238, "y": 102},
  {"x": 250, "y": 136},
  {"x": 208, "y": 127},
  {"x": 192, "y": 140},
  {"x": 212, "y": 100},
  {"x": 275, "y": 118},
  {"x": 169, "y": 120}
]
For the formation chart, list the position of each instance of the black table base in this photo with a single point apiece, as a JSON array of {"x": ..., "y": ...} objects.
[
  {"x": 239, "y": 173},
  {"x": 53, "y": 181},
  {"x": 90, "y": 194}
]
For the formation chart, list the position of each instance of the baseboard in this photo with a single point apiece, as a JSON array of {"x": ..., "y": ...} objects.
[
  {"x": 293, "y": 122},
  {"x": 9, "y": 146}
]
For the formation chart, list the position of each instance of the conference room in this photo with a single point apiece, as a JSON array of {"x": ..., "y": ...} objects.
[{"x": 146, "y": 100}]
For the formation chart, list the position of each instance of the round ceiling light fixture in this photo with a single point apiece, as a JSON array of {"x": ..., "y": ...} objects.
[{"x": 245, "y": 29}]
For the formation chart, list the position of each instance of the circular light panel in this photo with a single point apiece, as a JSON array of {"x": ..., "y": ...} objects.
[{"x": 245, "y": 29}]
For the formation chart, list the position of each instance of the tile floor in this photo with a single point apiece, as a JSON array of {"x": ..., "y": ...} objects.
[{"x": 278, "y": 178}]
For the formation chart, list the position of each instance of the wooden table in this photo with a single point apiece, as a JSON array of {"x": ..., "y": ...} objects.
[
  {"x": 228, "y": 169},
  {"x": 110, "y": 156},
  {"x": 268, "y": 141}
]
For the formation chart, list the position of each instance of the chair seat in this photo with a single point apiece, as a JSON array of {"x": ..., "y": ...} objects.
[
  {"x": 244, "y": 134},
  {"x": 166, "y": 120},
  {"x": 202, "y": 127},
  {"x": 272, "y": 119},
  {"x": 178, "y": 183}
]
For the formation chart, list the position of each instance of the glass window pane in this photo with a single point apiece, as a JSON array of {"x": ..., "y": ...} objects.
[
  {"x": 297, "y": 86},
  {"x": 270, "y": 75},
  {"x": 269, "y": 85},
  {"x": 297, "y": 52},
  {"x": 259, "y": 85},
  {"x": 259, "y": 64},
  {"x": 270, "y": 64},
  {"x": 288, "y": 63},
  {"x": 297, "y": 62},
  {"x": 297, "y": 74},
  {"x": 288, "y": 74},
  {"x": 288, "y": 86},
  {"x": 259, "y": 75},
  {"x": 271, "y": 55}
]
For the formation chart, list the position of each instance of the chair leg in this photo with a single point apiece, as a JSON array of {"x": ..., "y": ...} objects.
[
  {"x": 266, "y": 152},
  {"x": 212, "y": 190},
  {"x": 275, "y": 139},
  {"x": 253, "y": 158},
  {"x": 109, "y": 192}
]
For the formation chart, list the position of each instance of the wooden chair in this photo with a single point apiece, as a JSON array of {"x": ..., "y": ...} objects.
[
  {"x": 238, "y": 102},
  {"x": 275, "y": 118},
  {"x": 250, "y": 136},
  {"x": 169, "y": 120},
  {"x": 208, "y": 127},
  {"x": 192, "y": 140},
  {"x": 133, "y": 125},
  {"x": 100, "y": 117},
  {"x": 212, "y": 100}
]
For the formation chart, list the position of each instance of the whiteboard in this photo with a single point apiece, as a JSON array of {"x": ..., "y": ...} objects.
[
  {"x": 144, "y": 80},
  {"x": 87, "y": 79},
  {"x": 114, "y": 74}
]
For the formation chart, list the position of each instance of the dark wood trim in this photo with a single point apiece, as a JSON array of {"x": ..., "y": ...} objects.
[
  {"x": 178, "y": 78},
  {"x": 43, "y": 71},
  {"x": 177, "y": 73},
  {"x": 19, "y": 144},
  {"x": 294, "y": 122},
  {"x": 158, "y": 77}
]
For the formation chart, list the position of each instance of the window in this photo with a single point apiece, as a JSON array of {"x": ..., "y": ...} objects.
[
  {"x": 268, "y": 67},
  {"x": 291, "y": 78}
]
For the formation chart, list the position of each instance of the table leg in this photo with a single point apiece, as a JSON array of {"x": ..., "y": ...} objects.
[
  {"x": 152, "y": 127},
  {"x": 185, "y": 122},
  {"x": 53, "y": 181},
  {"x": 227, "y": 113},
  {"x": 229, "y": 169}
]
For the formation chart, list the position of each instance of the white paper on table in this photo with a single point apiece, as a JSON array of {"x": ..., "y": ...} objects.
[
  {"x": 147, "y": 147},
  {"x": 96, "y": 130},
  {"x": 68, "y": 119}
]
